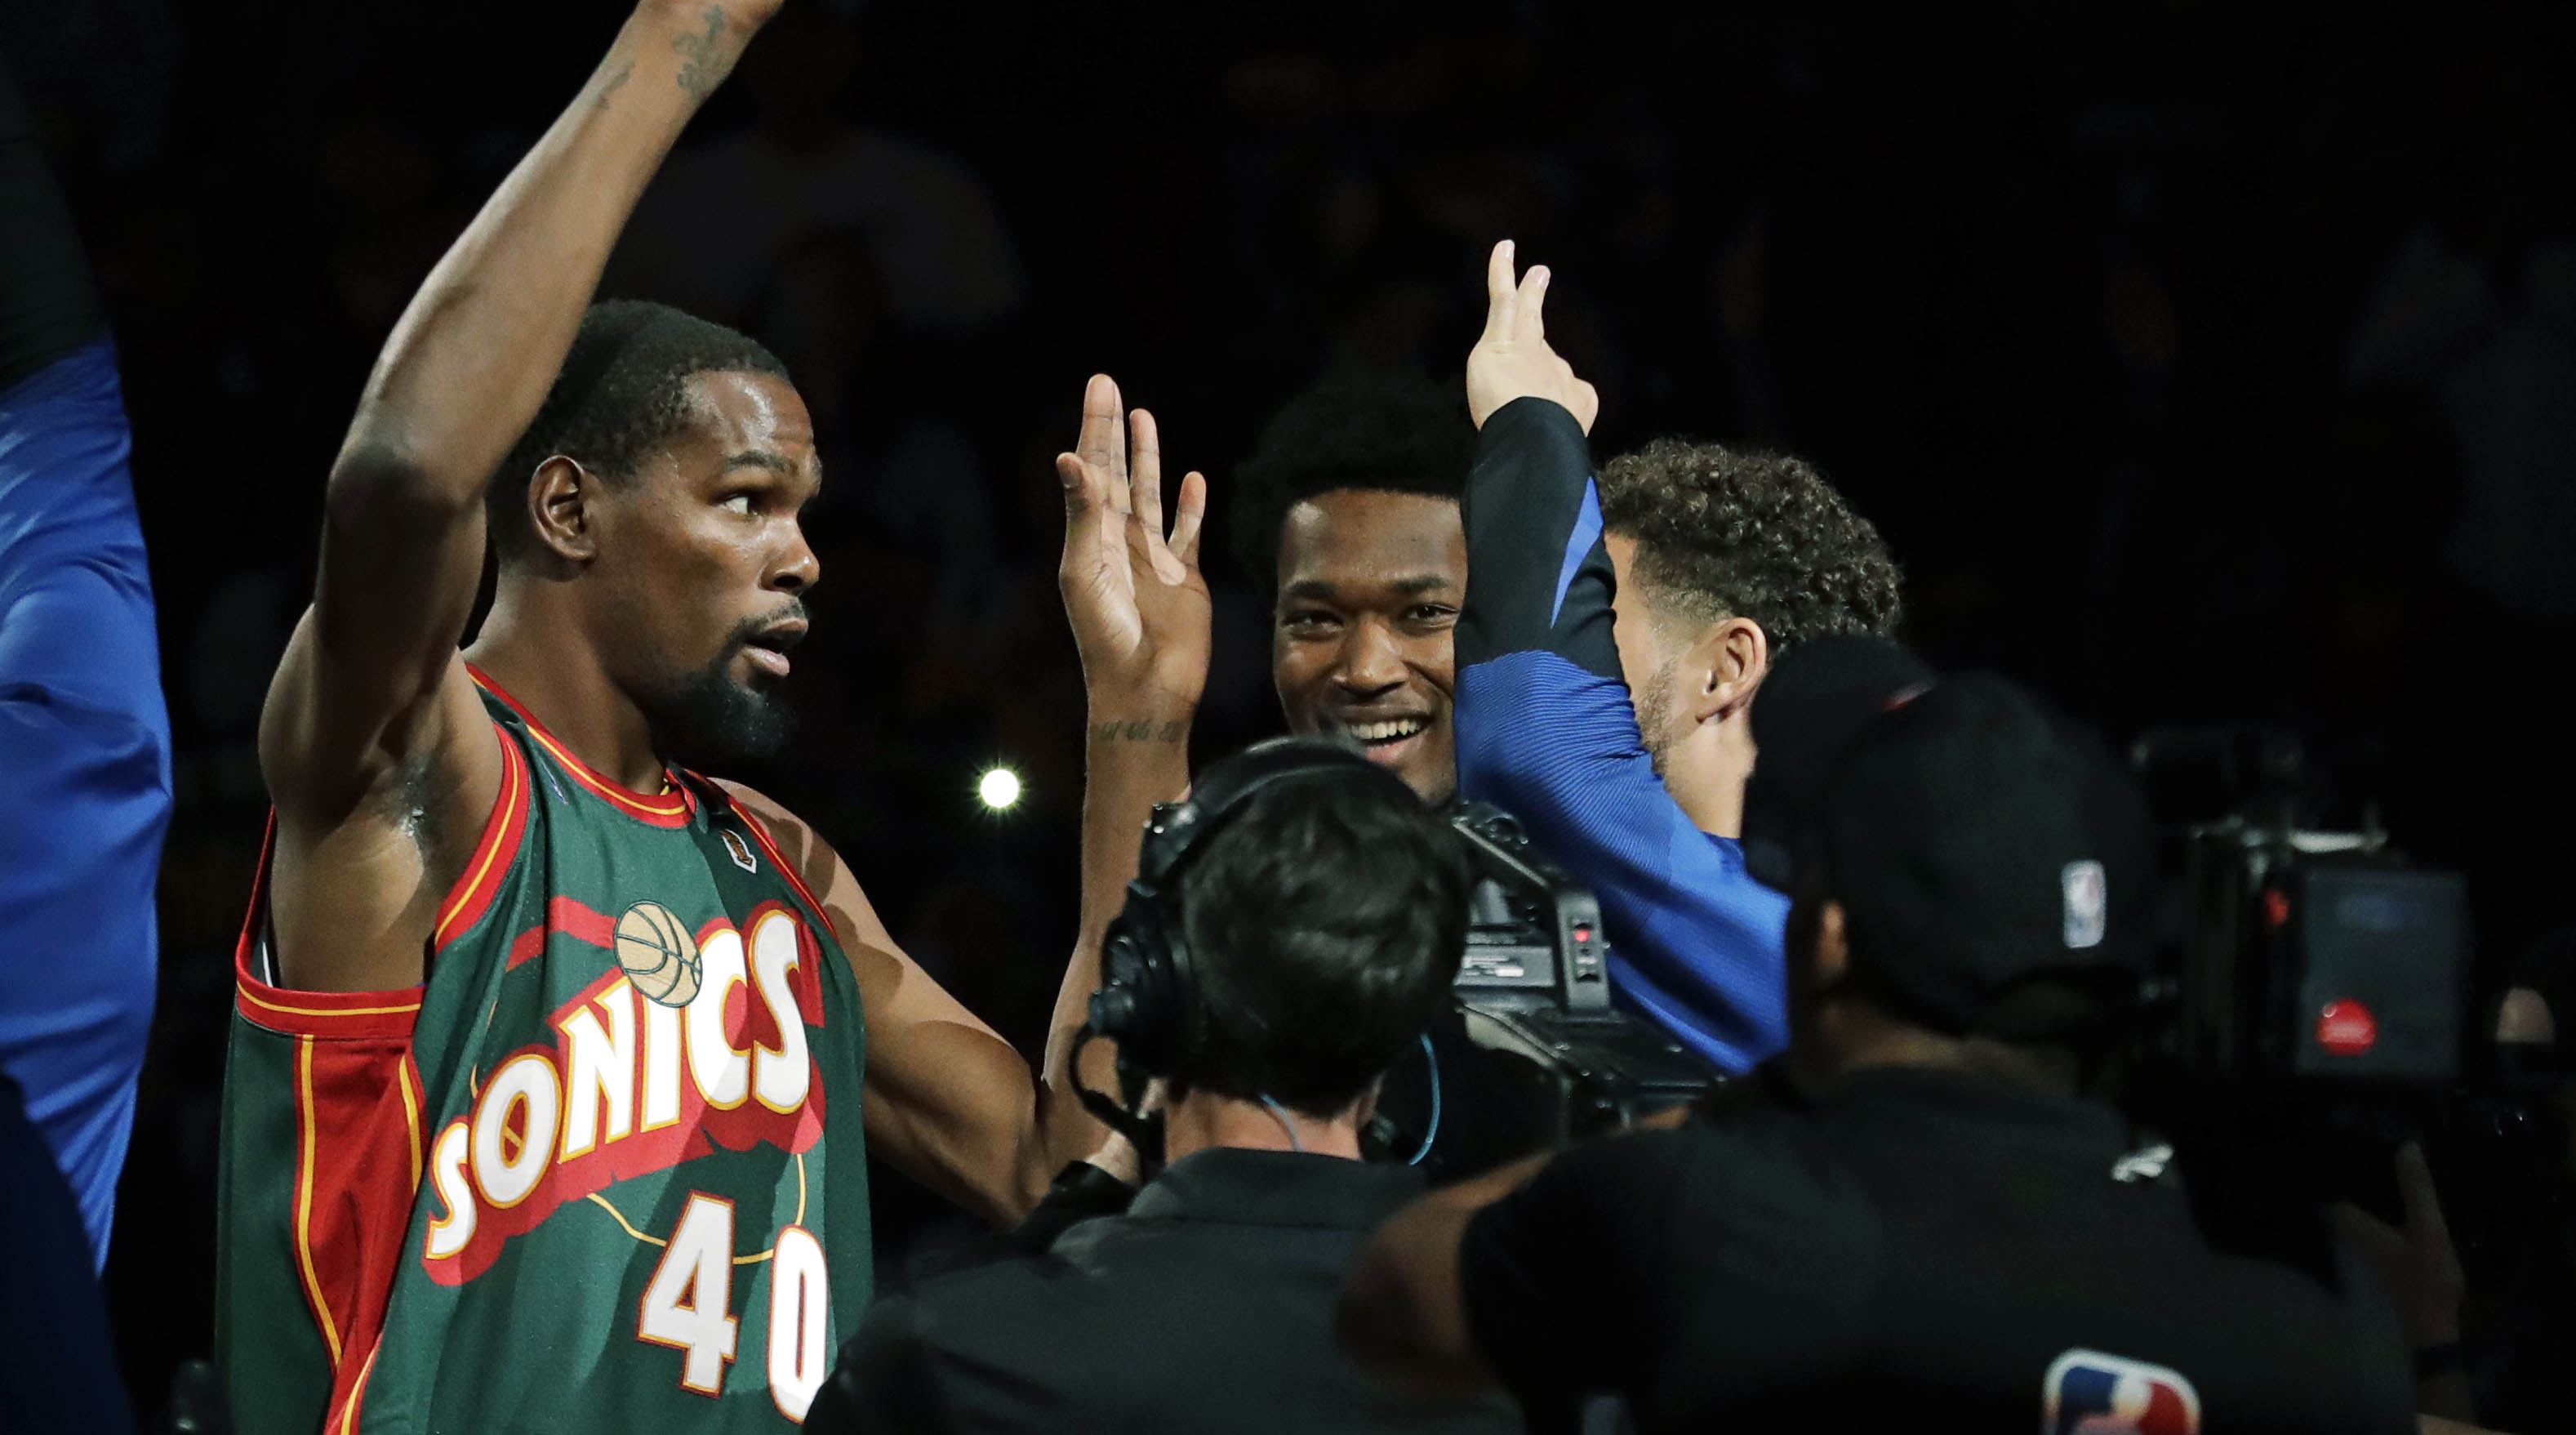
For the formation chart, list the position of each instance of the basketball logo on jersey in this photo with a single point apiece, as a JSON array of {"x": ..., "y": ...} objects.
[
  {"x": 652, "y": 1063},
  {"x": 2089, "y": 1393},
  {"x": 659, "y": 955},
  {"x": 740, "y": 849}
]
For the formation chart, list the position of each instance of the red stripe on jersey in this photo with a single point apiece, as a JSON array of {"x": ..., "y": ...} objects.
[
  {"x": 359, "y": 1138},
  {"x": 787, "y": 869},
  {"x": 668, "y": 808},
  {"x": 570, "y": 917},
  {"x": 351, "y": 1016},
  {"x": 503, "y": 831}
]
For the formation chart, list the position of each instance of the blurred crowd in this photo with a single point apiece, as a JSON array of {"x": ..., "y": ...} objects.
[{"x": 2199, "y": 362}]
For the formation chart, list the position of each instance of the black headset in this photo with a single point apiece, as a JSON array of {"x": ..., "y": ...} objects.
[{"x": 1150, "y": 1001}]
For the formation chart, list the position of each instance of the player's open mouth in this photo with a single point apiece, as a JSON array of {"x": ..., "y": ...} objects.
[{"x": 768, "y": 648}]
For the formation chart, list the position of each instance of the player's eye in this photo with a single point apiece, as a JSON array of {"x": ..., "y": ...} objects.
[
  {"x": 1307, "y": 622},
  {"x": 737, "y": 503},
  {"x": 1430, "y": 614}
]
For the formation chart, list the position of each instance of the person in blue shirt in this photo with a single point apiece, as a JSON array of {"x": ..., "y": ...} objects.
[
  {"x": 84, "y": 798},
  {"x": 1608, "y": 653},
  {"x": 84, "y": 738}
]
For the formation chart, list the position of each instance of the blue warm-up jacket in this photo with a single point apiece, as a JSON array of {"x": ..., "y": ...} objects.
[{"x": 1546, "y": 731}]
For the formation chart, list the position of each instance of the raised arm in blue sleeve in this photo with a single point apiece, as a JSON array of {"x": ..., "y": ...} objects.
[
  {"x": 1546, "y": 731},
  {"x": 84, "y": 738}
]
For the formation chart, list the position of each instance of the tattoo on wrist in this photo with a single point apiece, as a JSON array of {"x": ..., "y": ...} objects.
[
  {"x": 610, "y": 86},
  {"x": 1140, "y": 730},
  {"x": 703, "y": 62}
]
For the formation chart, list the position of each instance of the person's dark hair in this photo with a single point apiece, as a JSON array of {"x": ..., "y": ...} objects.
[
  {"x": 622, "y": 389},
  {"x": 1325, "y": 922},
  {"x": 1729, "y": 533},
  {"x": 1376, "y": 433}
]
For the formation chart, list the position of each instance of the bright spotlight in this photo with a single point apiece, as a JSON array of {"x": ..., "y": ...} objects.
[{"x": 1000, "y": 788}]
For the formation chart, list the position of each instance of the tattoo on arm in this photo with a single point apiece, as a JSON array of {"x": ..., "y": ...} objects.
[
  {"x": 703, "y": 62},
  {"x": 612, "y": 84},
  {"x": 1139, "y": 730}
]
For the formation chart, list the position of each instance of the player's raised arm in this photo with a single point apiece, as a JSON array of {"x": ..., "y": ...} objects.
[
  {"x": 372, "y": 721},
  {"x": 1140, "y": 615}
]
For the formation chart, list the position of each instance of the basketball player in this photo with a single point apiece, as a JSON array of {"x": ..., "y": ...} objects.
[{"x": 554, "y": 1060}]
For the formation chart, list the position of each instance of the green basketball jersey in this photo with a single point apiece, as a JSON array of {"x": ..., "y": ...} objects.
[{"x": 601, "y": 1173}]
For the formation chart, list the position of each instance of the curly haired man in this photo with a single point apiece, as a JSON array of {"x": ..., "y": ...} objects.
[{"x": 1608, "y": 657}]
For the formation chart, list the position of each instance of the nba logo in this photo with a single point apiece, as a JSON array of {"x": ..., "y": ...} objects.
[
  {"x": 2089, "y": 1393},
  {"x": 2088, "y": 903}
]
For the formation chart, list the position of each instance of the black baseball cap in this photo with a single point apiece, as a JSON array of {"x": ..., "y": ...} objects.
[
  {"x": 1813, "y": 700},
  {"x": 1978, "y": 844}
]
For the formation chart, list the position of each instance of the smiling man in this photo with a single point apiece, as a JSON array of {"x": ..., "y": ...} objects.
[{"x": 1351, "y": 505}]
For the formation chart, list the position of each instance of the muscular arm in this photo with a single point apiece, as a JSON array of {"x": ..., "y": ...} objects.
[
  {"x": 947, "y": 1100},
  {"x": 373, "y": 740}
]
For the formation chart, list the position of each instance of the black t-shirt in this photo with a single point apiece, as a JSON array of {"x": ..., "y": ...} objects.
[
  {"x": 1923, "y": 1251},
  {"x": 1208, "y": 1307}
]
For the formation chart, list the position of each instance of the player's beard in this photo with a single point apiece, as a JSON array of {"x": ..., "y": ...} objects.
[
  {"x": 709, "y": 718},
  {"x": 1654, "y": 714}
]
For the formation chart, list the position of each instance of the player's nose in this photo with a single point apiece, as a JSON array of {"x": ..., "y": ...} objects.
[
  {"x": 1370, "y": 659},
  {"x": 797, "y": 568}
]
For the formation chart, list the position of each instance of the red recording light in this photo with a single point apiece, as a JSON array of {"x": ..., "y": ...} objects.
[
  {"x": 2346, "y": 1028},
  {"x": 1582, "y": 932},
  {"x": 2276, "y": 908}
]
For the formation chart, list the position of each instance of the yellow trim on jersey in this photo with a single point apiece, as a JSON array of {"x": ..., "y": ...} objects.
[
  {"x": 514, "y": 796},
  {"x": 358, "y": 1392},
  {"x": 411, "y": 1119},
  {"x": 307, "y": 1139},
  {"x": 619, "y": 1217},
  {"x": 266, "y": 1005}
]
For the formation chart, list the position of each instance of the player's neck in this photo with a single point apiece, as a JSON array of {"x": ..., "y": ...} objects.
[{"x": 548, "y": 665}]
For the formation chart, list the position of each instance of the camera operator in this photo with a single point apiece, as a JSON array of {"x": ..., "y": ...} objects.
[
  {"x": 1940, "y": 1232},
  {"x": 1293, "y": 928},
  {"x": 1623, "y": 748}
]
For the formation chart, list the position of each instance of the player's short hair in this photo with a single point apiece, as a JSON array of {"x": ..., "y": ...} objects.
[
  {"x": 1325, "y": 922},
  {"x": 1732, "y": 533},
  {"x": 622, "y": 389},
  {"x": 1376, "y": 433}
]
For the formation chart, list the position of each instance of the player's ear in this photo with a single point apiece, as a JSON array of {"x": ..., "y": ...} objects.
[
  {"x": 560, "y": 494},
  {"x": 1726, "y": 663}
]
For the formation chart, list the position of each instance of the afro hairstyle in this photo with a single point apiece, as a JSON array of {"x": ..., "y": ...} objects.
[{"x": 1377, "y": 433}]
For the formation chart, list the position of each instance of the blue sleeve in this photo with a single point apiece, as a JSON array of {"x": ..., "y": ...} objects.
[
  {"x": 1546, "y": 732},
  {"x": 85, "y": 745}
]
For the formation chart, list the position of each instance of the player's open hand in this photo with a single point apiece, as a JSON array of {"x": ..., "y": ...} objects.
[
  {"x": 1511, "y": 359},
  {"x": 1133, "y": 591}
]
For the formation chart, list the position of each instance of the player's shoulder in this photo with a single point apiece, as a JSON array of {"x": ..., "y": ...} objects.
[
  {"x": 795, "y": 838},
  {"x": 751, "y": 800}
]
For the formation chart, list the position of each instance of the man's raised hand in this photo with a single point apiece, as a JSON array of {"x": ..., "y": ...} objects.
[
  {"x": 1137, "y": 602},
  {"x": 1511, "y": 359}
]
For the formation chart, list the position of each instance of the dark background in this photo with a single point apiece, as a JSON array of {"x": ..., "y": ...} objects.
[{"x": 2200, "y": 361}]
